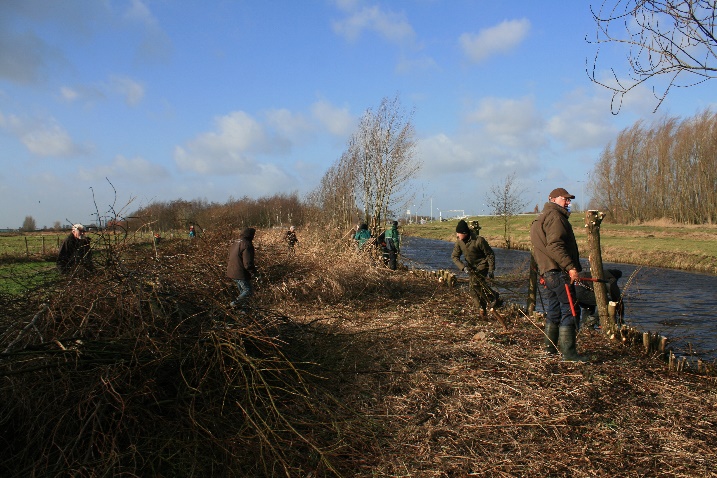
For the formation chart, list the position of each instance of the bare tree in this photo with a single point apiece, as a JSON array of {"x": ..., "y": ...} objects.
[
  {"x": 333, "y": 199},
  {"x": 384, "y": 150},
  {"x": 372, "y": 176},
  {"x": 29, "y": 224},
  {"x": 506, "y": 200},
  {"x": 671, "y": 39}
]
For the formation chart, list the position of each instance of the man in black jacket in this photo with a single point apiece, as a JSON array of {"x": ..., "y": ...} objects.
[{"x": 75, "y": 252}]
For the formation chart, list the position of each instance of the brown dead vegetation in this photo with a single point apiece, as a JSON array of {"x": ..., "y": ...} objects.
[{"x": 343, "y": 368}]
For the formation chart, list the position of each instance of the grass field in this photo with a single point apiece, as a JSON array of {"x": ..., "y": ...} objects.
[
  {"x": 30, "y": 244},
  {"x": 658, "y": 244}
]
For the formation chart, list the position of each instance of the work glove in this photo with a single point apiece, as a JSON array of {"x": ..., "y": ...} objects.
[{"x": 491, "y": 275}]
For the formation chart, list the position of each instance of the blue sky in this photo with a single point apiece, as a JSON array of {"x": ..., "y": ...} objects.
[{"x": 215, "y": 99}]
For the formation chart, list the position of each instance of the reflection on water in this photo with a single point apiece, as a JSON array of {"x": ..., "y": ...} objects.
[{"x": 679, "y": 305}]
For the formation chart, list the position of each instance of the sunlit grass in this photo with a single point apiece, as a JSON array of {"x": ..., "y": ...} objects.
[{"x": 19, "y": 277}]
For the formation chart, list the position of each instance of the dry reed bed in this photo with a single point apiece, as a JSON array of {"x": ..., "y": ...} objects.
[
  {"x": 453, "y": 397},
  {"x": 342, "y": 369}
]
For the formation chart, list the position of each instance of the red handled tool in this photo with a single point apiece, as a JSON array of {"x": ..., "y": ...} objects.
[{"x": 570, "y": 299}]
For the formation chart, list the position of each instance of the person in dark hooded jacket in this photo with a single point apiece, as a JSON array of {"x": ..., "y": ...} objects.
[{"x": 240, "y": 266}]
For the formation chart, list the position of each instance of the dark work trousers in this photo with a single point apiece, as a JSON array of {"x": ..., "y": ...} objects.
[{"x": 558, "y": 310}]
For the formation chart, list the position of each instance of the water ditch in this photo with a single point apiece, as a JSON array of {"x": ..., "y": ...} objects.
[{"x": 679, "y": 305}]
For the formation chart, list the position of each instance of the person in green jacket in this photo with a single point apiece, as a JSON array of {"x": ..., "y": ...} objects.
[
  {"x": 479, "y": 264},
  {"x": 362, "y": 235},
  {"x": 390, "y": 241}
]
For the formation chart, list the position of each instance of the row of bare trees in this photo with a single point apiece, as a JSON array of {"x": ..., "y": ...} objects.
[
  {"x": 270, "y": 211},
  {"x": 370, "y": 181},
  {"x": 666, "y": 170}
]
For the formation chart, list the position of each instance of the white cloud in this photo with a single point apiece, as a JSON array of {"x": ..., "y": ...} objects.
[
  {"x": 338, "y": 121},
  {"x": 443, "y": 154},
  {"x": 139, "y": 12},
  {"x": 42, "y": 137},
  {"x": 498, "y": 137},
  {"x": 501, "y": 38},
  {"x": 287, "y": 124},
  {"x": 136, "y": 169},
  {"x": 392, "y": 26},
  {"x": 510, "y": 122},
  {"x": 155, "y": 45},
  {"x": 132, "y": 91},
  {"x": 76, "y": 94},
  {"x": 581, "y": 122},
  {"x": 228, "y": 150}
]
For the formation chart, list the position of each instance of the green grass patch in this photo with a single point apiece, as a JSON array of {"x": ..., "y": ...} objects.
[{"x": 20, "y": 277}]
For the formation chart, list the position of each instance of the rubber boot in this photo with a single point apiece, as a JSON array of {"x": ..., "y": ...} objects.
[
  {"x": 551, "y": 337},
  {"x": 566, "y": 344}
]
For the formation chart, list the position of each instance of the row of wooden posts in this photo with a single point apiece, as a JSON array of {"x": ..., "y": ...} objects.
[{"x": 651, "y": 343}]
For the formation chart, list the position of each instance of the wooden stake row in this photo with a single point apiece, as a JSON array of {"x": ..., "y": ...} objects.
[
  {"x": 443, "y": 276},
  {"x": 653, "y": 343}
]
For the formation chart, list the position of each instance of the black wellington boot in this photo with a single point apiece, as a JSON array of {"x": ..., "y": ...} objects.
[
  {"x": 552, "y": 332},
  {"x": 566, "y": 344}
]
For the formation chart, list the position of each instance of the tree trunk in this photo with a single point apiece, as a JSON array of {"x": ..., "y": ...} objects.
[{"x": 593, "y": 219}]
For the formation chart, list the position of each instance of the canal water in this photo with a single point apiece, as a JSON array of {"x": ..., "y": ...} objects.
[{"x": 680, "y": 305}]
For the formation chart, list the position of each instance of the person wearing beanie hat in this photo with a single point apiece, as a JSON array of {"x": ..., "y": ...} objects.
[
  {"x": 462, "y": 227},
  {"x": 390, "y": 242},
  {"x": 479, "y": 264},
  {"x": 75, "y": 252},
  {"x": 556, "y": 253}
]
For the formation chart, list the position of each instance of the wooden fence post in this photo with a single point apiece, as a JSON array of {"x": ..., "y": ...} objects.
[{"x": 593, "y": 220}]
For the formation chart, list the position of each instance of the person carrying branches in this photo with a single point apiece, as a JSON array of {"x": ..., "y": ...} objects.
[{"x": 479, "y": 264}]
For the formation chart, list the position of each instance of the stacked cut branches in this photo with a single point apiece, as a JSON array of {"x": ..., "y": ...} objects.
[{"x": 142, "y": 369}]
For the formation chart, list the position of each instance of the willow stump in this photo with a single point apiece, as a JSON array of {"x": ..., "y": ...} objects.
[{"x": 593, "y": 220}]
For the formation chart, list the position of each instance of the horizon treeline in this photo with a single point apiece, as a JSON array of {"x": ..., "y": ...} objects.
[
  {"x": 665, "y": 170},
  {"x": 265, "y": 212}
]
